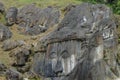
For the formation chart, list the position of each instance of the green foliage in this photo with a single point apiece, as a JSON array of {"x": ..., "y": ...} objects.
[
  {"x": 116, "y": 7},
  {"x": 41, "y": 3},
  {"x": 114, "y": 4}
]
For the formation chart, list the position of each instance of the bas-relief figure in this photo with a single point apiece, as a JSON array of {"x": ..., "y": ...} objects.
[{"x": 83, "y": 47}]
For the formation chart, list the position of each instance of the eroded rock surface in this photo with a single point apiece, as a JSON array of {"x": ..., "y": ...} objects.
[
  {"x": 20, "y": 56},
  {"x": 12, "y": 74},
  {"x": 11, "y": 15},
  {"x": 2, "y": 69},
  {"x": 68, "y": 8},
  {"x": 5, "y": 33},
  {"x": 2, "y": 9},
  {"x": 35, "y": 20},
  {"x": 11, "y": 44},
  {"x": 83, "y": 47}
]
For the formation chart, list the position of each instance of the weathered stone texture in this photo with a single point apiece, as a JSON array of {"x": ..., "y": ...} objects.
[
  {"x": 5, "y": 33},
  {"x": 35, "y": 20},
  {"x": 11, "y": 15},
  {"x": 83, "y": 47}
]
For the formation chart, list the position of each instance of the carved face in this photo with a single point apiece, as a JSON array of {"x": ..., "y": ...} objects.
[{"x": 63, "y": 57}]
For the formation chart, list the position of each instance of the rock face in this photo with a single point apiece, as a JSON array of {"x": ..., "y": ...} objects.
[
  {"x": 11, "y": 15},
  {"x": 83, "y": 47},
  {"x": 38, "y": 65},
  {"x": 5, "y": 33},
  {"x": 35, "y": 20}
]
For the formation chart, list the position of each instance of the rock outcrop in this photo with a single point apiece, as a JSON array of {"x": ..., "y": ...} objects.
[
  {"x": 5, "y": 33},
  {"x": 2, "y": 8},
  {"x": 3, "y": 69},
  {"x": 12, "y": 74},
  {"x": 35, "y": 20},
  {"x": 11, "y": 44},
  {"x": 20, "y": 56},
  {"x": 31, "y": 19},
  {"x": 11, "y": 15},
  {"x": 83, "y": 47}
]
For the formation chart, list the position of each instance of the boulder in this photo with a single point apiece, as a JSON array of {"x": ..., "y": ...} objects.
[
  {"x": 11, "y": 44},
  {"x": 3, "y": 69},
  {"x": 20, "y": 56},
  {"x": 83, "y": 47},
  {"x": 12, "y": 74},
  {"x": 11, "y": 15},
  {"x": 35, "y": 20},
  {"x": 5, "y": 33}
]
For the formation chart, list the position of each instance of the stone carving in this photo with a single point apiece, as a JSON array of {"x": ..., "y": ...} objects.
[{"x": 83, "y": 47}]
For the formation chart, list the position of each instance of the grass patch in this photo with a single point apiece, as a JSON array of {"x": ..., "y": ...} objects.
[
  {"x": 41, "y": 3},
  {"x": 16, "y": 35},
  {"x": 2, "y": 19},
  {"x": 4, "y": 57},
  {"x": 2, "y": 78}
]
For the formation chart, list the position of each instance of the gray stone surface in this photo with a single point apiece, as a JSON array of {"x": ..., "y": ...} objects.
[
  {"x": 2, "y": 8},
  {"x": 2, "y": 69},
  {"x": 5, "y": 33},
  {"x": 12, "y": 74},
  {"x": 38, "y": 65},
  {"x": 35, "y": 20},
  {"x": 11, "y": 15},
  {"x": 20, "y": 56},
  {"x": 68, "y": 8},
  {"x": 11, "y": 44},
  {"x": 83, "y": 47}
]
